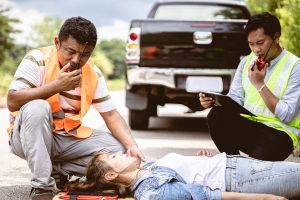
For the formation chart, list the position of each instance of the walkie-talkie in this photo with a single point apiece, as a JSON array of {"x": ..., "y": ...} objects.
[{"x": 261, "y": 62}]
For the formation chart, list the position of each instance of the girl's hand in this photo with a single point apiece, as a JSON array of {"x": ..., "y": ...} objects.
[{"x": 204, "y": 152}]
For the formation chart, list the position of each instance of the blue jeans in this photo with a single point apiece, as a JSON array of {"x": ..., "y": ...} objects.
[{"x": 250, "y": 175}]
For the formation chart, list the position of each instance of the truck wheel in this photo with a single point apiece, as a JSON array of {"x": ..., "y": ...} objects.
[{"x": 138, "y": 120}]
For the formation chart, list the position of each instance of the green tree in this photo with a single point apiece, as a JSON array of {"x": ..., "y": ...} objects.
[
  {"x": 257, "y": 6},
  {"x": 12, "y": 59},
  {"x": 6, "y": 31},
  {"x": 44, "y": 32},
  {"x": 114, "y": 49},
  {"x": 102, "y": 62},
  {"x": 8, "y": 55},
  {"x": 288, "y": 14}
]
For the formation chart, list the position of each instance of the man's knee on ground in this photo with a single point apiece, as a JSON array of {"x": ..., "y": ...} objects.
[{"x": 215, "y": 114}]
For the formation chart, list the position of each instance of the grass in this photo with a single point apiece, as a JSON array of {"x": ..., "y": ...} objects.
[{"x": 115, "y": 84}]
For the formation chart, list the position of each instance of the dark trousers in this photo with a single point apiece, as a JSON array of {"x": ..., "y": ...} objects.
[{"x": 232, "y": 132}]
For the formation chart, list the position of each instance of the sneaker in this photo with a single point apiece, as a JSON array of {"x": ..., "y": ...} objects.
[
  {"x": 41, "y": 194},
  {"x": 60, "y": 180}
]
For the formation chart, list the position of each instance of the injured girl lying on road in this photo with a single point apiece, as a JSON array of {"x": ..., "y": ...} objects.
[{"x": 178, "y": 177}]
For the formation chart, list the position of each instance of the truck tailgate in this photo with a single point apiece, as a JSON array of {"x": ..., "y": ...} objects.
[{"x": 167, "y": 43}]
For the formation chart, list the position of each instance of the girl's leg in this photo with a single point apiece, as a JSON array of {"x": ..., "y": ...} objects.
[{"x": 250, "y": 175}]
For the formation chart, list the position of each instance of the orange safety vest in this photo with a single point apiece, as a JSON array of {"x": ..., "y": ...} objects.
[{"x": 89, "y": 81}]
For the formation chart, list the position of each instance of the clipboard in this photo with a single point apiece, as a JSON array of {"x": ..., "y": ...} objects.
[{"x": 224, "y": 100}]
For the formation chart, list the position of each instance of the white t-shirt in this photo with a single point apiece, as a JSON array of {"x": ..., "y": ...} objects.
[
  {"x": 31, "y": 73},
  {"x": 206, "y": 171}
]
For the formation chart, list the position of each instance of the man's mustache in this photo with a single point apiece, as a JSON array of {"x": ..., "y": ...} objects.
[{"x": 74, "y": 65}]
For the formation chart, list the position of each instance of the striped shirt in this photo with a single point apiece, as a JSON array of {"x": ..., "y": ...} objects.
[{"x": 31, "y": 74}]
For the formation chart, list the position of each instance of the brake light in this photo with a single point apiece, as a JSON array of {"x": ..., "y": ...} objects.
[
  {"x": 133, "y": 46},
  {"x": 133, "y": 36}
]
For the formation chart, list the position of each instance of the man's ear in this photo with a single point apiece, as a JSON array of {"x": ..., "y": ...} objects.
[
  {"x": 56, "y": 42},
  {"x": 276, "y": 37},
  {"x": 111, "y": 175}
]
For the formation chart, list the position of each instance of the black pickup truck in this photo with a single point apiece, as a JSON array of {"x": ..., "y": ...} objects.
[{"x": 185, "y": 46}]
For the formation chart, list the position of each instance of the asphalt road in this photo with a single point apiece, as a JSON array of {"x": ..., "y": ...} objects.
[{"x": 173, "y": 131}]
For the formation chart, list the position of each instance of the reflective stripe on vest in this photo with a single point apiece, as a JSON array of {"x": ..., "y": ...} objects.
[
  {"x": 277, "y": 84},
  {"x": 89, "y": 81}
]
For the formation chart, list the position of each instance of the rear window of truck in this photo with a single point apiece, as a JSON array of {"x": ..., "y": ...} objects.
[{"x": 198, "y": 12}]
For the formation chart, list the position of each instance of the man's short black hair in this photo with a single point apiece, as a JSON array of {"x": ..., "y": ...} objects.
[
  {"x": 264, "y": 20},
  {"x": 81, "y": 29}
]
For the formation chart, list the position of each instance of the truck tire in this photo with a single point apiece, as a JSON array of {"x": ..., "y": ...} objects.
[{"x": 138, "y": 119}]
